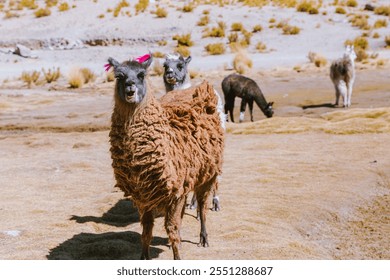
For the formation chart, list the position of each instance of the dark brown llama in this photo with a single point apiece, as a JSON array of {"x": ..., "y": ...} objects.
[{"x": 236, "y": 85}]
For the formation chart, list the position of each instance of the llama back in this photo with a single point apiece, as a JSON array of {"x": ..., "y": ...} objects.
[
  {"x": 341, "y": 69},
  {"x": 193, "y": 115}
]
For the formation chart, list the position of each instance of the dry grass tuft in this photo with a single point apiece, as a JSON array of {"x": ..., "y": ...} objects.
[
  {"x": 29, "y": 4},
  {"x": 119, "y": 7},
  {"x": 380, "y": 23},
  {"x": 64, "y": 6},
  {"x": 382, "y": 10},
  {"x": 351, "y": 3},
  {"x": 51, "y": 3},
  {"x": 317, "y": 59},
  {"x": 340, "y": 10},
  {"x": 241, "y": 62},
  {"x": 257, "y": 28},
  {"x": 291, "y": 30},
  {"x": 359, "y": 43},
  {"x": 203, "y": 21},
  {"x": 42, "y": 12},
  {"x": 344, "y": 122},
  {"x": 188, "y": 8},
  {"x": 183, "y": 50},
  {"x": 51, "y": 75},
  {"x": 158, "y": 69},
  {"x": 215, "y": 49},
  {"x": 261, "y": 47},
  {"x": 161, "y": 12},
  {"x": 80, "y": 76},
  {"x": 307, "y": 7},
  {"x": 158, "y": 54},
  {"x": 141, "y": 6},
  {"x": 360, "y": 21},
  {"x": 75, "y": 78},
  {"x": 237, "y": 26},
  {"x": 88, "y": 75},
  {"x": 184, "y": 40},
  {"x": 216, "y": 31},
  {"x": 30, "y": 78}
]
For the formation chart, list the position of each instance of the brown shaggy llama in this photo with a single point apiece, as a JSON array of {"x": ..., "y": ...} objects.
[
  {"x": 176, "y": 77},
  {"x": 163, "y": 149}
]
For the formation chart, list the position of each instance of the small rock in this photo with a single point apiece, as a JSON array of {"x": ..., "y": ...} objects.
[
  {"x": 23, "y": 51},
  {"x": 369, "y": 7}
]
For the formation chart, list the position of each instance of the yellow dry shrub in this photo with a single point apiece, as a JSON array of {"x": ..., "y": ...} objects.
[
  {"x": 241, "y": 62},
  {"x": 141, "y": 6},
  {"x": 30, "y": 77},
  {"x": 161, "y": 12},
  {"x": 183, "y": 50},
  {"x": 75, "y": 78},
  {"x": 215, "y": 49},
  {"x": 42, "y": 12},
  {"x": 64, "y": 6},
  {"x": 51, "y": 75}
]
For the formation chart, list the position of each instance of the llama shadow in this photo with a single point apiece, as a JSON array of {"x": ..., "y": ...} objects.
[
  {"x": 122, "y": 214},
  {"x": 105, "y": 246},
  {"x": 323, "y": 105}
]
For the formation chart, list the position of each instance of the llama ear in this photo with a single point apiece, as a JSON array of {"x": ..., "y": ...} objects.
[
  {"x": 111, "y": 63},
  {"x": 147, "y": 60},
  {"x": 188, "y": 60}
]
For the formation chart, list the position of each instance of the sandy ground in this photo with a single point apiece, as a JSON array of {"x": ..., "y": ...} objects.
[
  {"x": 306, "y": 195},
  {"x": 310, "y": 183}
]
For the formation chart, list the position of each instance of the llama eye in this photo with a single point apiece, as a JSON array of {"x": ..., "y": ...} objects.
[
  {"x": 141, "y": 75},
  {"x": 180, "y": 66},
  {"x": 119, "y": 76}
]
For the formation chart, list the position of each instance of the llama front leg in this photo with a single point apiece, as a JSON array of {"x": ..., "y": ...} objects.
[
  {"x": 147, "y": 221},
  {"x": 173, "y": 218},
  {"x": 242, "y": 109}
]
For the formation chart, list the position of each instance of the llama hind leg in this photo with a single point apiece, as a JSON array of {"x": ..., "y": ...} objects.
[
  {"x": 242, "y": 109},
  {"x": 202, "y": 195},
  {"x": 250, "y": 103},
  {"x": 349, "y": 94},
  {"x": 147, "y": 221},
  {"x": 337, "y": 95},
  {"x": 215, "y": 202},
  {"x": 173, "y": 218}
]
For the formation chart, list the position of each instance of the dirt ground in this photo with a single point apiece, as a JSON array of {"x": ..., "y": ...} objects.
[{"x": 305, "y": 194}]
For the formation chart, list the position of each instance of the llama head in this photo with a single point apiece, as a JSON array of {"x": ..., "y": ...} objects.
[
  {"x": 350, "y": 52},
  {"x": 175, "y": 71},
  {"x": 268, "y": 111},
  {"x": 130, "y": 78}
]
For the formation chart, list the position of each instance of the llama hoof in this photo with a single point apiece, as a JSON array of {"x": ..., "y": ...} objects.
[
  {"x": 203, "y": 242},
  {"x": 216, "y": 207}
]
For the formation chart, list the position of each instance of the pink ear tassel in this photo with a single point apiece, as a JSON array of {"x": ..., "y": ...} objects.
[
  {"x": 107, "y": 67},
  {"x": 142, "y": 58}
]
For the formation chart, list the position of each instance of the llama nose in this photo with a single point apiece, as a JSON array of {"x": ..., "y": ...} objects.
[{"x": 169, "y": 71}]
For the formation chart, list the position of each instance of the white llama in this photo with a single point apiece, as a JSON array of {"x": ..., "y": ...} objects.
[{"x": 342, "y": 74}]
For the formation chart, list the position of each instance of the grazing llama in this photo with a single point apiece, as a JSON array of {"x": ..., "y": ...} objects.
[
  {"x": 163, "y": 149},
  {"x": 236, "y": 85},
  {"x": 176, "y": 77},
  {"x": 342, "y": 74}
]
